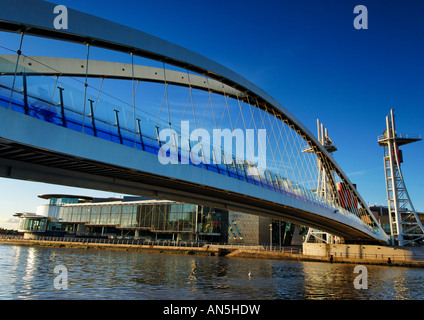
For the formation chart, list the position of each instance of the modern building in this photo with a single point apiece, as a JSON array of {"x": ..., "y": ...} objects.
[
  {"x": 46, "y": 219},
  {"x": 382, "y": 215},
  {"x": 150, "y": 219},
  {"x": 254, "y": 229}
]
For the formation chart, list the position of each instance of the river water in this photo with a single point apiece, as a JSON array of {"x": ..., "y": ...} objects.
[{"x": 39, "y": 273}]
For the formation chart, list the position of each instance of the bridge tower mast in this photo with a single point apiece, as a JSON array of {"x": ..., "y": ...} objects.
[
  {"x": 405, "y": 225},
  {"x": 322, "y": 187}
]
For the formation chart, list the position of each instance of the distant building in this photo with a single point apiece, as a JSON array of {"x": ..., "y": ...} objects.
[
  {"x": 382, "y": 215},
  {"x": 143, "y": 218}
]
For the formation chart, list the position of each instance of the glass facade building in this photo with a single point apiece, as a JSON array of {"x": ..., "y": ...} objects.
[
  {"x": 45, "y": 221},
  {"x": 33, "y": 223},
  {"x": 147, "y": 218}
]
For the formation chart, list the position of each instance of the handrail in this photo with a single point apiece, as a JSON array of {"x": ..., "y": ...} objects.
[
  {"x": 163, "y": 243},
  {"x": 401, "y": 136}
]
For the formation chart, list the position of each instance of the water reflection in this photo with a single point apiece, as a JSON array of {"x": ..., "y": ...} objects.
[
  {"x": 30, "y": 265},
  {"x": 27, "y": 273}
]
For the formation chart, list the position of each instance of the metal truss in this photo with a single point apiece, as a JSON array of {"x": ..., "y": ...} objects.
[
  {"x": 405, "y": 225},
  {"x": 315, "y": 235}
]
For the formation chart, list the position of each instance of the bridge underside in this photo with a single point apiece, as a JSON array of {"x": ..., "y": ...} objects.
[{"x": 25, "y": 163}]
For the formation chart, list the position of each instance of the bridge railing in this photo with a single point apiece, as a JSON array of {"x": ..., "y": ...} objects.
[
  {"x": 401, "y": 136},
  {"x": 59, "y": 103},
  {"x": 162, "y": 243}
]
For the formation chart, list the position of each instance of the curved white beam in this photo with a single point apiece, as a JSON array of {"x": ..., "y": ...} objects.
[{"x": 67, "y": 67}]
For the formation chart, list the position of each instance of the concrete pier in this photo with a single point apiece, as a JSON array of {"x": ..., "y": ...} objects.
[{"x": 365, "y": 254}]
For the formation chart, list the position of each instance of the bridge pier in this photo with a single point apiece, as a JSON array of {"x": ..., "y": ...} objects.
[{"x": 363, "y": 252}]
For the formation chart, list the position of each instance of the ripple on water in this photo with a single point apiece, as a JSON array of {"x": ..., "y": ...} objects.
[{"x": 28, "y": 273}]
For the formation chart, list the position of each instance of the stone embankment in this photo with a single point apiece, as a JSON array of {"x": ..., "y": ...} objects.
[
  {"x": 90, "y": 245},
  {"x": 254, "y": 254}
]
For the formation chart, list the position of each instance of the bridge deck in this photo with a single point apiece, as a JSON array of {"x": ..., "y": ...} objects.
[{"x": 55, "y": 154}]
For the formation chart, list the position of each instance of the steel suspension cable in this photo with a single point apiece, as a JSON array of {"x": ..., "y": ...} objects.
[
  {"x": 19, "y": 52},
  {"x": 85, "y": 85}
]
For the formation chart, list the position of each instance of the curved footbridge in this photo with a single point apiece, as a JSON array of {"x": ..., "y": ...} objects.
[{"x": 43, "y": 138}]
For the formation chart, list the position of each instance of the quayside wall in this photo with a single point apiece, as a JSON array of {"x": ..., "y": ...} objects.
[
  {"x": 371, "y": 254},
  {"x": 89, "y": 244}
]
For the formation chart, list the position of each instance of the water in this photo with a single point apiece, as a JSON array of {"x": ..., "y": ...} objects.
[{"x": 28, "y": 273}]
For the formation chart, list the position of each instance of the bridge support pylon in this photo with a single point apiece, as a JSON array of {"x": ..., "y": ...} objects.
[
  {"x": 315, "y": 235},
  {"x": 405, "y": 226}
]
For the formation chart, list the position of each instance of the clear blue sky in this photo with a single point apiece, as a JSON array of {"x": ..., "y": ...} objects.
[{"x": 309, "y": 57}]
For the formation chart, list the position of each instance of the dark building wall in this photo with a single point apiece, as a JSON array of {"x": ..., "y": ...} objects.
[
  {"x": 264, "y": 230},
  {"x": 242, "y": 228}
]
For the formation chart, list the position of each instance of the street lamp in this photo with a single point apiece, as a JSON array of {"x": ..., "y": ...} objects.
[
  {"x": 270, "y": 237},
  {"x": 279, "y": 233}
]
